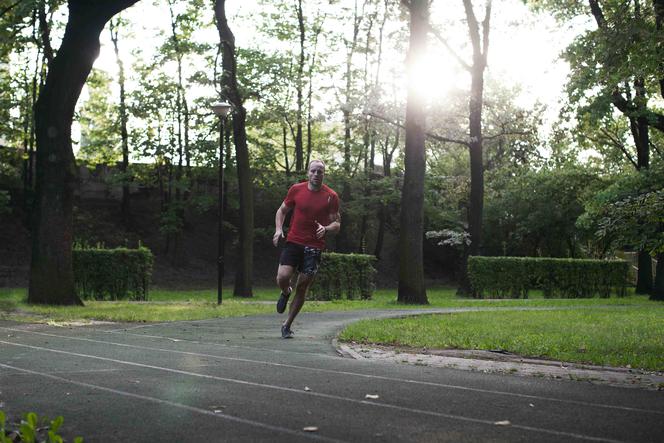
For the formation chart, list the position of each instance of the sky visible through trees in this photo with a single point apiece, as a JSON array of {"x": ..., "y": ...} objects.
[{"x": 524, "y": 54}]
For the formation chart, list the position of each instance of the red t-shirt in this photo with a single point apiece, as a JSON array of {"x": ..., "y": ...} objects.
[{"x": 309, "y": 207}]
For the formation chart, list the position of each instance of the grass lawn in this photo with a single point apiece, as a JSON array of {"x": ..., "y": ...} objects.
[
  {"x": 632, "y": 335},
  {"x": 614, "y": 331},
  {"x": 170, "y": 305}
]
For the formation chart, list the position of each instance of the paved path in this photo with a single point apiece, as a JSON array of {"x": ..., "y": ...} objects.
[{"x": 237, "y": 380}]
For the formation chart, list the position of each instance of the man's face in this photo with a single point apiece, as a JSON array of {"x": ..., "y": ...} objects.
[{"x": 316, "y": 173}]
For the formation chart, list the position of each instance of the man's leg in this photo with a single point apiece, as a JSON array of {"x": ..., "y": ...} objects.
[
  {"x": 284, "y": 274},
  {"x": 304, "y": 281}
]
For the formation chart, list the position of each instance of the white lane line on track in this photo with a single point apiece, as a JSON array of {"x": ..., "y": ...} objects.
[
  {"x": 319, "y": 394},
  {"x": 175, "y": 404},
  {"x": 355, "y": 374}
]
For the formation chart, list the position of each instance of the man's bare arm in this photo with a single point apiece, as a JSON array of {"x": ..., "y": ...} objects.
[
  {"x": 335, "y": 223},
  {"x": 279, "y": 223}
]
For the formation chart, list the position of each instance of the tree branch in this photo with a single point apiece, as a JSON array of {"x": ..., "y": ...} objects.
[
  {"x": 473, "y": 27},
  {"x": 44, "y": 32},
  {"x": 655, "y": 119},
  {"x": 617, "y": 144},
  {"x": 9, "y": 8},
  {"x": 597, "y": 13},
  {"x": 458, "y": 58},
  {"x": 502, "y": 134},
  {"x": 486, "y": 26},
  {"x": 436, "y": 137}
]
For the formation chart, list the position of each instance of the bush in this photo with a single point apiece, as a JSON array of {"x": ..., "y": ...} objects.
[
  {"x": 112, "y": 274},
  {"x": 347, "y": 276},
  {"x": 558, "y": 277}
]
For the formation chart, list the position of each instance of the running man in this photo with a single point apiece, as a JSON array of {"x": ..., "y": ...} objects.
[{"x": 316, "y": 213}]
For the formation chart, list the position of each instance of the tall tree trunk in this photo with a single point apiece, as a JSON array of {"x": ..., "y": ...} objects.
[
  {"x": 658, "y": 5},
  {"x": 299, "y": 148},
  {"x": 312, "y": 65},
  {"x": 51, "y": 267},
  {"x": 658, "y": 287},
  {"x": 243, "y": 277},
  {"x": 124, "y": 165},
  {"x": 411, "y": 260},
  {"x": 383, "y": 213},
  {"x": 641, "y": 136},
  {"x": 480, "y": 48}
]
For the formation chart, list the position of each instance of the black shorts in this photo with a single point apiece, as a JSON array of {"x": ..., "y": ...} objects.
[{"x": 305, "y": 259}]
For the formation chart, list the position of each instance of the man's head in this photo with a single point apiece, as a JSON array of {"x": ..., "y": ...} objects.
[{"x": 315, "y": 174}]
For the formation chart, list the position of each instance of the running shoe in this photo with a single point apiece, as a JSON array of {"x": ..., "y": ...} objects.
[
  {"x": 283, "y": 301},
  {"x": 286, "y": 332}
]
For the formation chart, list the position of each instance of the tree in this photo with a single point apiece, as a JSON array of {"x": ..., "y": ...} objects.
[
  {"x": 628, "y": 214},
  {"x": 617, "y": 68},
  {"x": 51, "y": 268},
  {"x": 114, "y": 27},
  {"x": 243, "y": 278},
  {"x": 411, "y": 260}
]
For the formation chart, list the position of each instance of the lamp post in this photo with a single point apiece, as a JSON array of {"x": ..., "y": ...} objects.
[{"x": 221, "y": 110}]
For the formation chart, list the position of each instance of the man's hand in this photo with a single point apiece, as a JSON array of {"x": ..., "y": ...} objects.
[
  {"x": 276, "y": 237},
  {"x": 320, "y": 230}
]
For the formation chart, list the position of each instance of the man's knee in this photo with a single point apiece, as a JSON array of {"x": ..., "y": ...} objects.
[{"x": 283, "y": 276}]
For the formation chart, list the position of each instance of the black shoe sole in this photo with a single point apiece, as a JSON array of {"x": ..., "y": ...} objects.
[{"x": 282, "y": 302}]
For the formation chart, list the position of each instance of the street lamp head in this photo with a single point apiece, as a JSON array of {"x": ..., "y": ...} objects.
[{"x": 221, "y": 109}]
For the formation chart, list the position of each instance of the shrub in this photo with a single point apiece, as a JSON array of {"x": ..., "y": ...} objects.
[
  {"x": 347, "y": 276},
  {"x": 502, "y": 277},
  {"x": 31, "y": 430},
  {"x": 112, "y": 274}
]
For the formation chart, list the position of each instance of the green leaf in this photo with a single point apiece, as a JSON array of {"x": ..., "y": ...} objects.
[{"x": 55, "y": 424}]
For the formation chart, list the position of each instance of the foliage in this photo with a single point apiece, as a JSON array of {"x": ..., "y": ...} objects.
[
  {"x": 500, "y": 277},
  {"x": 112, "y": 274},
  {"x": 344, "y": 276},
  {"x": 100, "y": 122},
  {"x": 29, "y": 430},
  {"x": 627, "y": 214},
  {"x": 534, "y": 212},
  {"x": 4, "y": 202},
  {"x": 615, "y": 65}
]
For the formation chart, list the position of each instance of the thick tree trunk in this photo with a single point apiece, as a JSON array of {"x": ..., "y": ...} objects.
[
  {"x": 243, "y": 278},
  {"x": 299, "y": 145},
  {"x": 644, "y": 283},
  {"x": 51, "y": 271},
  {"x": 476, "y": 206},
  {"x": 658, "y": 287},
  {"x": 411, "y": 260},
  {"x": 641, "y": 135}
]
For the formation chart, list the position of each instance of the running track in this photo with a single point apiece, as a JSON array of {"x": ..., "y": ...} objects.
[{"x": 237, "y": 380}]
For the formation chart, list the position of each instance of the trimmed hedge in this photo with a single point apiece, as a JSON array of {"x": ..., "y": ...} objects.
[
  {"x": 513, "y": 277},
  {"x": 112, "y": 274},
  {"x": 347, "y": 276}
]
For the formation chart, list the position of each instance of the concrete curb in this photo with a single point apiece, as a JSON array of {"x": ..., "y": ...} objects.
[{"x": 511, "y": 364}]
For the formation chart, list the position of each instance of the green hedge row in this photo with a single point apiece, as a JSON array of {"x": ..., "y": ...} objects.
[
  {"x": 112, "y": 274},
  {"x": 501, "y": 277},
  {"x": 347, "y": 276}
]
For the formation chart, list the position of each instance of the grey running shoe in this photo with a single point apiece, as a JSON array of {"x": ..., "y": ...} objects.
[
  {"x": 286, "y": 332},
  {"x": 283, "y": 301}
]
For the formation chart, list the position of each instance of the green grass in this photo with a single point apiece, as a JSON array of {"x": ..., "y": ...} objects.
[
  {"x": 614, "y": 331},
  {"x": 632, "y": 335},
  {"x": 170, "y": 305}
]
